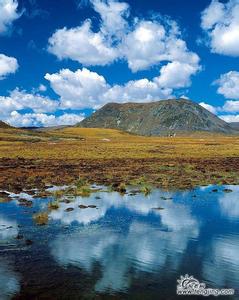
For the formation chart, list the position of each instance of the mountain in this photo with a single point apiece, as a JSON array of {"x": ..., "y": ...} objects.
[
  {"x": 4, "y": 125},
  {"x": 234, "y": 125},
  {"x": 157, "y": 118}
]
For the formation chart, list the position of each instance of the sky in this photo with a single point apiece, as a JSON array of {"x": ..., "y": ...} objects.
[{"x": 60, "y": 60}]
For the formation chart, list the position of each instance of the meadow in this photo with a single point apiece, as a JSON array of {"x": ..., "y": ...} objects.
[{"x": 111, "y": 157}]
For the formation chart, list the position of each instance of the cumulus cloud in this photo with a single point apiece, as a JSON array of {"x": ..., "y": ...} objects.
[
  {"x": 229, "y": 106},
  {"x": 83, "y": 45},
  {"x": 228, "y": 85},
  {"x": 151, "y": 43},
  {"x": 79, "y": 89},
  {"x": 36, "y": 102},
  {"x": 8, "y": 65},
  {"x": 19, "y": 100},
  {"x": 209, "y": 107},
  {"x": 142, "y": 90},
  {"x": 113, "y": 15},
  {"x": 8, "y": 14},
  {"x": 41, "y": 110},
  {"x": 176, "y": 75},
  {"x": 42, "y": 88},
  {"x": 42, "y": 120},
  {"x": 93, "y": 48},
  {"x": 141, "y": 43},
  {"x": 221, "y": 21},
  {"x": 87, "y": 89},
  {"x": 230, "y": 118}
]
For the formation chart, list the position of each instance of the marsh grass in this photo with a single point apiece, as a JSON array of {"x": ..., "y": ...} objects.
[
  {"x": 146, "y": 189},
  {"x": 183, "y": 161},
  {"x": 53, "y": 205},
  {"x": 41, "y": 218}
]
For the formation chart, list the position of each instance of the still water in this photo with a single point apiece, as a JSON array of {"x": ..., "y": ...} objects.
[{"x": 127, "y": 247}]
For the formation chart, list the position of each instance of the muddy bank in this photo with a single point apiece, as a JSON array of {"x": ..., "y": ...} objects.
[{"x": 19, "y": 173}]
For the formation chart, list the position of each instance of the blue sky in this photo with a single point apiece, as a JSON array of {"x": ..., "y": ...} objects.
[{"x": 60, "y": 60}]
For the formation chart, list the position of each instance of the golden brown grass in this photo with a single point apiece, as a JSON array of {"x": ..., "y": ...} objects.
[
  {"x": 94, "y": 145},
  {"x": 108, "y": 155}
]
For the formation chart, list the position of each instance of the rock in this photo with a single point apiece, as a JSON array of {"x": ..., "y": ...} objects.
[
  {"x": 69, "y": 209},
  {"x": 227, "y": 191},
  {"x": 3, "y": 194},
  {"x": 24, "y": 202},
  {"x": 67, "y": 201},
  {"x": 28, "y": 242},
  {"x": 82, "y": 206},
  {"x": 19, "y": 237}
]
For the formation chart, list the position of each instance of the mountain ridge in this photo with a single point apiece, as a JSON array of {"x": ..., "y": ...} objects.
[
  {"x": 4, "y": 125},
  {"x": 157, "y": 118}
]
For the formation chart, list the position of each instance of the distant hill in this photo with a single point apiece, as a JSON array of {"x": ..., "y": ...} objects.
[
  {"x": 4, "y": 125},
  {"x": 157, "y": 118},
  {"x": 234, "y": 125}
]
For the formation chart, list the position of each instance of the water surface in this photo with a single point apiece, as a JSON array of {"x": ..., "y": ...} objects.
[{"x": 127, "y": 247}]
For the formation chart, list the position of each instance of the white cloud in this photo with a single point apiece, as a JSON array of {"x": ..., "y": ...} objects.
[
  {"x": 8, "y": 14},
  {"x": 42, "y": 88},
  {"x": 8, "y": 65},
  {"x": 36, "y": 102},
  {"x": 79, "y": 89},
  {"x": 142, "y": 90},
  {"x": 7, "y": 105},
  {"x": 143, "y": 44},
  {"x": 176, "y": 75},
  {"x": 209, "y": 107},
  {"x": 19, "y": 100},
  {"x": 231, "y": 106},
  {"x": 87, "y": 89},
  {"x": 11, "y": 110},
  {"x": 151, "y": 43},
  {"x": 42, "y": 120},
  {"x": 113, "y": 15},
  {"x": 93, "y": 48},
  {"x": 221, "y": 22},
  {"x": 230, "y": 118},
  {"x": 212, "y": 14},
  {"x": 229, "y": 85},
  {"x": 83, "y": 45}
]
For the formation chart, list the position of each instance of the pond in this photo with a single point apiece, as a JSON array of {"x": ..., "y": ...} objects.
[{"x": 124, "y": 246}]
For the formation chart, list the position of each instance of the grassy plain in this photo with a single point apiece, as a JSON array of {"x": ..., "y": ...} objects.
[{"x": 33, "y": 159}]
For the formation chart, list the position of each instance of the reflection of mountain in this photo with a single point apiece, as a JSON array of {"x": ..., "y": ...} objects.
[
  {"x": 144, "y": 247},
  {"x": 221, "y": 267},
  {"x": 8, "y": 229},
  {"x": 9, "y": 281}
]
